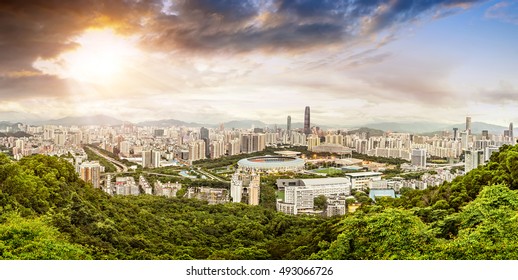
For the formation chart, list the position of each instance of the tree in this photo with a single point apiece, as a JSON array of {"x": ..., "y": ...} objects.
[
  {"x": 34, "y": 239},
  {"x": 320, "y": 202},
  {"x": 487, "y": 228},
  {"x": 391, "y": 234},
  {"x": 268, "y": 197}
]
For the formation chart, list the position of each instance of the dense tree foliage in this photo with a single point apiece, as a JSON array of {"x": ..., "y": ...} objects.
[
  {"x": 108, "y": 166},
  {"x": 29, "y": 239},
  {"x": 394, "y": 161},
  {"x": 49, "y": 213}
]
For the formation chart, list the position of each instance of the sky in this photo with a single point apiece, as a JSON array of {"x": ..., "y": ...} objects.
[{"x": 210, "y": 61}]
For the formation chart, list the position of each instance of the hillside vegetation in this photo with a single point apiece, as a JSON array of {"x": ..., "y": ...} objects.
[{"x": 47, "y": 212}]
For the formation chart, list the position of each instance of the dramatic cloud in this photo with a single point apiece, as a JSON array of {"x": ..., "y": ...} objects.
[
  {"x": 279, "y": 24},
  {"x": 506, "y": 11},
  {"x": 43, "y": 28},
  {"x": 198, "y": 58}
]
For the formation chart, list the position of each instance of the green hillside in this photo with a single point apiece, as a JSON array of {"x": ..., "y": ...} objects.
[{"x": 49, "y": 213}]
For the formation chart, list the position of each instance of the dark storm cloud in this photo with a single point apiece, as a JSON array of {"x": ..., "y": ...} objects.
[
  {"x": 204, "y": 25},
  {"x": 43, "y": 28}
]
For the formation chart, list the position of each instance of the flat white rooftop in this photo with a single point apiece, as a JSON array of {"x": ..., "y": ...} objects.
[
  {"x": 363, "y": 174},
  {"x": 325, "y": 181}
]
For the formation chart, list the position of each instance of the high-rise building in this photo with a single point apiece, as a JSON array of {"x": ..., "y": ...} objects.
[
  {"x": 472, "y": 159},
  {"x": 197, "y": 150},
  {"x": 150, "y": 159},
  {"x": 258, "y": 142},
  {"x": 146, "y": 159},
  {"x": 468, "y": 124},
  {"x": 217, "y": 149},
  {"x": 464, "y": 139},
  {"x": 155, "y": 159},
  {"x": 204, "y": 135},
  {"x": 511, "y": 133},
  {"x": 485, "y": 135},
  {"x": 233, "y": 147},
  {"x": 246, "y": 143},
  {"x": 455, "y": 133},
  {"x": 254, "y": 189},
  {"x": 59, "y": 137},
  {"x": 245, "y": 187},
  {"x": 125, "y": 148},
  {"x": 288, "y": 125},
  {"x": 236, "y": 188},
  {"x": 307, "y": 127},
  {"x": 90, "y": 171},
  {"x": 419, "y": 157},
  {"x": 313, "y": 141}
]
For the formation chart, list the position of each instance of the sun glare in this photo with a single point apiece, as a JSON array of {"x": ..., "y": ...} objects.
[{"x": 101, "y": 56}]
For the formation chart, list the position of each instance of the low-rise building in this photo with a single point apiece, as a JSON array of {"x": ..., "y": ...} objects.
[
  {"x": 299, "y": 195},
  {"x": 362, "y": 180},
  {"x": 211, "y": 195}
]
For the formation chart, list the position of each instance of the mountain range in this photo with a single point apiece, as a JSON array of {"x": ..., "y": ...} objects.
[
  {"x": 430, "y": 127},
  {"x": 413, "y": 127},
  {"x": 86, "y": 120}
]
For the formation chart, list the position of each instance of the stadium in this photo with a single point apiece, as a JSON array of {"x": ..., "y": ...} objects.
[{"x": 271, "y": 164}]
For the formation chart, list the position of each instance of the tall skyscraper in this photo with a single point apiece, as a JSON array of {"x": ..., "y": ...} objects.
[
  {"x": 307, "y": 127},
  {"x": 468, "y": 125},
  {"x": 288, "y": 125},
  {"x": 455, "y": 133},
  {"x": 511, "y": 134},
  {"x": 204, "y": 135}
]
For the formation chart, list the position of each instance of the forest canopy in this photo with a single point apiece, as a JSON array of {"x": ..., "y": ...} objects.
[{"x": 49, "y": 213}]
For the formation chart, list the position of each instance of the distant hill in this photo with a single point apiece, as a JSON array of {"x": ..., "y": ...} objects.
[
  {"x": 372, "y": 132},
  {"x": 169, "y": 122},
  {"x": 4, "y": 125},
  {"x": 14, "y": 117},
  {"x": 17, "y": 134},
  {"x": 414, "y": 127},
  {"x": 84, "y": 120},
  {"x": 244, "y": 124},
  {"x": 477, "y": 127},
  {"x": 8, "y": 126},
  {"x": 430, "y": 128}
]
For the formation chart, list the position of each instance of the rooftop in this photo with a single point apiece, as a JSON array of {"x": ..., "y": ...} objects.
[
  {"x": 287, "y": 153},
  {"x": 363, "y": 174},
  {"x": 379, "y": 193},
  {"x": 325, "y": 181}
]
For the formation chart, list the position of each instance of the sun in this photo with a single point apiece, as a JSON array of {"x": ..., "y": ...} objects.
[{"x": 101, "y": 57}]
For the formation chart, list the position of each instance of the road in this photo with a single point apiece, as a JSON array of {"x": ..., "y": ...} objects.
[
  {"x": 208, "y": 175},
  {"x": 118, "y": 165}
]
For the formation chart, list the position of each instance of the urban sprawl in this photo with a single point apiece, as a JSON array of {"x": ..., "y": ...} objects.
[{"x": 309, "y": 165}]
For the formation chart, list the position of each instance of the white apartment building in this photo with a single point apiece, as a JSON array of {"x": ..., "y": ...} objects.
[
  {"x": 301, "y": 196},
  {"x": 362, "y": 180}
]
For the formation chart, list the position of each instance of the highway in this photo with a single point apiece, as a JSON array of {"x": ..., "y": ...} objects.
[
  {"x": 208, "y": 175},
  {"x": 118, "y": 165},
  {"x": 121, "y": 168}
]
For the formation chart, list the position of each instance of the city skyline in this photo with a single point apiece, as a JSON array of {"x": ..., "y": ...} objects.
[{"x": 215, "y": 61}]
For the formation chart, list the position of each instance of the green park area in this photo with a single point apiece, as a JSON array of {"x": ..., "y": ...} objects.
[{"x": 328, "y": 171}]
